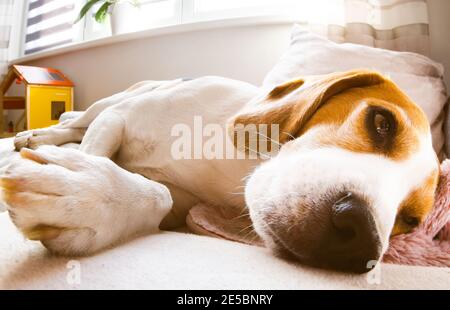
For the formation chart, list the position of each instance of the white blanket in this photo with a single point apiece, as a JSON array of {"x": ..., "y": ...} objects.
[{"x": 173, "y": 260}]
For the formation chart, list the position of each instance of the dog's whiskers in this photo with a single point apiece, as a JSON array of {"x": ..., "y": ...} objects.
[
  {"x": 287, "y": 133},
  {"x": 254, "y": 238},
  {"x": 245, "y": 228},
  {"x": 246, "y": 236},
  {"x": 270, "y": 139},
  {"x": 241, "y": 216},
  {"x": 264, "y": 156},
  {"x": 245, "y": 178},
  {"x": 239, "y": 193}
]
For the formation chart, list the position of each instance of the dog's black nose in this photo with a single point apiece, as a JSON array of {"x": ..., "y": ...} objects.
[
  {"x": 340, "y": 235},
  {"x": 354, "y": 243}
]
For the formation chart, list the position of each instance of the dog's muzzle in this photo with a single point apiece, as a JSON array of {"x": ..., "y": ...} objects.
[{"x": 341, "y": 237}]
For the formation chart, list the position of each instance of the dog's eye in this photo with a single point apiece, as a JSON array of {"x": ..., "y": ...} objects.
[
  {"x": 381, "y": 127},
  {"x": 405, "y": 223},
  {"x": 381, "y": 124},
  {"x": 411, "y": 221}
]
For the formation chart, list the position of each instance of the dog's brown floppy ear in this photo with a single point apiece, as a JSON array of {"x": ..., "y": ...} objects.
[{"x": 291, "y": 104}]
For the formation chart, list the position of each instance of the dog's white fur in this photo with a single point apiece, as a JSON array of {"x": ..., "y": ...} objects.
[
  {"x": 383, "y": 182},
  {"x": 106, "y": 201},
  {"x": 98, "y": 201}
]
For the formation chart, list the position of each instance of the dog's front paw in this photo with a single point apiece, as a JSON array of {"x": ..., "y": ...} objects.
[
  {"x": 34, "y": 138},
  {"x": 76, "y": 203},
  {"x": 53, "y": 135}
]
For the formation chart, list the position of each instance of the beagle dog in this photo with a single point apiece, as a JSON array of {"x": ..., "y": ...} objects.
[{"x": 355, "y": 166}]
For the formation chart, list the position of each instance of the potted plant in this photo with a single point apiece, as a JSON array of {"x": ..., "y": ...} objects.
[{"x": 107, "y": 7}]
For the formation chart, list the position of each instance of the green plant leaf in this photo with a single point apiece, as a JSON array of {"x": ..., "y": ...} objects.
[
  {"x": 102, "y": 12},
  {"x": 85, "y": 9}
]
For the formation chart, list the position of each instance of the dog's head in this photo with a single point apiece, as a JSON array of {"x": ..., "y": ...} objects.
[{"x": 355, "y": 167}]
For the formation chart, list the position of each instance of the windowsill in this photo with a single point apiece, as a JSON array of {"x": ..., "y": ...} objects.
[{"x": 153, "y": 32}]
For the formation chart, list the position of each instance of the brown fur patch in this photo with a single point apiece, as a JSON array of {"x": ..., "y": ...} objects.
[
  {"x": 416, "y": 206},
  {"x": 352, "y": 134},
  {"x": 302, "y": 104},
  {"x": 291, "y": 107},
  {"x": 285, "y": 88}
]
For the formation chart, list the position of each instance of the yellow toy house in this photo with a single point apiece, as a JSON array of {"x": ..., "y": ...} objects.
[{"x": 48, "y": 94}]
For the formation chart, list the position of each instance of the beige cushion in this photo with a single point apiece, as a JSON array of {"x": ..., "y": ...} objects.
[{"x": 418, "y": 76}]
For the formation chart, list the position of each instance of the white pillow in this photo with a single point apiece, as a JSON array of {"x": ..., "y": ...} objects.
[{"x": 418, "y": 76}]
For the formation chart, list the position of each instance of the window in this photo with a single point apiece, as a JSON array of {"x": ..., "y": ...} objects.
[
  {"x": 157, "y": 13},
  {"x": 199, "y": 10},
  {"x": 127, "y": 18},
  {"x": 49, "y": 23}
]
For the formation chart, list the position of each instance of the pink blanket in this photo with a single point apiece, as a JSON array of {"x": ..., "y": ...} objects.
[{"x": 427, "y": 245}]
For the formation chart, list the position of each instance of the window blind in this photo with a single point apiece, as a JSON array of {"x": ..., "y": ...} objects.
[
  {"x": 49, "y": 24},
  {"x": 6, "y": 15}
]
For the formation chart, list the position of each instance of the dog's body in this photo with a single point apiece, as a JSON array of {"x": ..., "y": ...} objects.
[
  {"x": 80, "y": 202},
  {"x": 145, "y": 147},
  {"x": 158, "y": 107}
]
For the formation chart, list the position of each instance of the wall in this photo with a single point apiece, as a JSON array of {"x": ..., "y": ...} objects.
[{"x": 247, "y": 53}]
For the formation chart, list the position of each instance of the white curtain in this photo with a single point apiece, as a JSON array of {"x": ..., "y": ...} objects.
[
  {"x": 391, "y": 24},
  {"x": 6, "y": 19}
]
